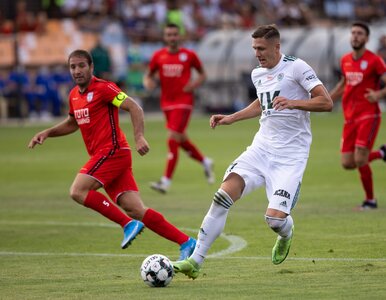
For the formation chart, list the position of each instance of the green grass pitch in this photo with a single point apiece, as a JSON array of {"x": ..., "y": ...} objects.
[{"x": 52, "y": 248}]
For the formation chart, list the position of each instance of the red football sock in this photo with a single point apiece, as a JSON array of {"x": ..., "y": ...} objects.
[
  {"x": 367, "y": 181},
  {"x": 172, "y": 158},
  {"x": 192, "y": 150},
  {"x": 375, "y": 155},
  {"x": 105, "y": 207},
  {"x": 157, "y": 223}
]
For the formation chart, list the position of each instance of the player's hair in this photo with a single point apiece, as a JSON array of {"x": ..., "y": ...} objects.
[
  {"x": 172, "y": 25},
  {"x": 267, "y": 32},
  {"x": 362, "y": 25},
  {"x": 81, "y": 53}
]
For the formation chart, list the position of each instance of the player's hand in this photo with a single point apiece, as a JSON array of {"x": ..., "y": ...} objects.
[
  {"x": 371, "y": 95},
  {"x": 280, "y": 103},
  {"x": 216, "y": 120},
  {"x": 142, "y": 146},
  {"x": 188, "y": 88},
  {"x": 149, "y": 83},
  {"x": 39, "y": 138}
]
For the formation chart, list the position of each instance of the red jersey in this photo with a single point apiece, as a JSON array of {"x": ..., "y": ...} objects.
[
  {"x": 97, "y": 117},
  {"x": 360, "y": 75},
  {"x": 174, "y": 72}
]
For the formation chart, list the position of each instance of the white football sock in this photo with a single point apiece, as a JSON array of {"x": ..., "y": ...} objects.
[{"x": 212, "y": 225}]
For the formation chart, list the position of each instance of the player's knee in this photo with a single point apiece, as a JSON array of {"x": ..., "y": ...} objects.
[
  {"x": 349, "y": 165},
  {"x": 276, "y": 224},
  {"x": 77, "y": 195}
]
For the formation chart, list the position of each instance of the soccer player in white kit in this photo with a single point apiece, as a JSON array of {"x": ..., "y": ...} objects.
[{"x": 287, "y": 91}]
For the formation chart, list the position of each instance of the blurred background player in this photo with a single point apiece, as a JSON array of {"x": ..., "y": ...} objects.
[
  {"x": 94, "y": 105},
  {"x": 288, "y": 89},
  {"x": 173, "y": 64},
  {"x": 361, "y": 71}
]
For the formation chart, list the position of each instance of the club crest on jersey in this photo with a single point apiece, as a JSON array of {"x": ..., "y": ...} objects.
[
  {"x": 364, "y": 64},
  {"x": 90, "y": 95},
  {"x": 182, "y": 57},
  {"x": 280, "y": 76}
]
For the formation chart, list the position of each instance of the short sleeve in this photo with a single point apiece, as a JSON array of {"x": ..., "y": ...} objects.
[{"x": 305, "y": 75}]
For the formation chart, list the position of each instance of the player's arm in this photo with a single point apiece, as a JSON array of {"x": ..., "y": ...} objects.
[
  {"x": 192, "y": 85},
  {"x": 337, "y": 92},
  {"x": 376, "y": 95},
  {"x": 251, "y": 111},
  {"x": 149, "y": 80},
  {"x": 320, "y": 101},
  {"x": 137, "y": 119},
  {"x": 69, "y": 125}
]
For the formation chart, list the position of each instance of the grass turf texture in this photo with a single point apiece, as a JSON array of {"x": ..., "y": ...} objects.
[{"x": 52, "y": 248}]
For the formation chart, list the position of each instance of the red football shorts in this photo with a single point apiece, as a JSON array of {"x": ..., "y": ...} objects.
[
  {"x": 113, "y": 169},
  {"x": 360, "y": 133},
  {"x": 178, "y": 119}
]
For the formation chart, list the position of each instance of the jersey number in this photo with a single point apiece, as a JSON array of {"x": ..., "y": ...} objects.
[{"x": 266, "y": 99}]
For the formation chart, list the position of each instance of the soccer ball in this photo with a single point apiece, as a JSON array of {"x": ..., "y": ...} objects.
[{"x": 157, "y": 270}]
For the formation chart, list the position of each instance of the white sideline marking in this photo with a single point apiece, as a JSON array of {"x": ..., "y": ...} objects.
[
  {"x": 236, "y": 243},
  {"x": 309, "y": 259}
]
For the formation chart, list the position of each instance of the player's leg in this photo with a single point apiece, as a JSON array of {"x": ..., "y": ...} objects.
[
  {"x": 283, "y": 187},
  {"x": 212, "y": 225},
  {"x": 131, "y": 202},
  {"x": 105, "y": 169},
  {"x": 181, "y": 120},
  {"x": 366, "y": 135},
  {"x": 83, "y": 191},
  {"x": 240, "y": 178}
]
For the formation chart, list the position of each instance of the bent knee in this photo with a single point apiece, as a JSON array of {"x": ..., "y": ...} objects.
[
  {"x": 78, "y": 195},
  {"x": 349, "y": 165},
  {"x": 275, "y": 223}
]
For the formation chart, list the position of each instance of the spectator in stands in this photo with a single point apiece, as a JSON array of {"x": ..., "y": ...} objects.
[
  {"x": 48, "y": 93},
  {"x": 102, "y": 61}
]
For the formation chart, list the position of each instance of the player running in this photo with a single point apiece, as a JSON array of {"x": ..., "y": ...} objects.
[
  {"x": 94, "y": 105},
  {"x": 362, "y": 71},
  {"x": 173, "y": 64},
  {"x": 287, "y": 89}
]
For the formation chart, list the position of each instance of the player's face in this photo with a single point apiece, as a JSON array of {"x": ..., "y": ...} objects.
[
  {"x": 172, "y": 37},
  {"x": 267, "y": 52},
  {"x": 80, "y": 70},
  {"x": 359, "y": 38}
]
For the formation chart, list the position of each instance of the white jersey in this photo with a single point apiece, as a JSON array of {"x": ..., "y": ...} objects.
[{"x": 286, "y": 132}]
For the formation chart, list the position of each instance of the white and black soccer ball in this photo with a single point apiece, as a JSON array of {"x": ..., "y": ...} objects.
[{"x": 157, "y": 270}]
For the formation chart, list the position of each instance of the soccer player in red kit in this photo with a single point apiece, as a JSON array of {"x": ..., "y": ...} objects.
[
  {"x": 173, "y": 65},
  {"x": 362, "y": 71},
  {"x": 94, "y": 106}
]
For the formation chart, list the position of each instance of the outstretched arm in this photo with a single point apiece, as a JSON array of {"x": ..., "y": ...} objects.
[
  {"x": 137, "y": 119},
  {"x": 251, "y": 111},
  {"x": 65, "y": 127}
]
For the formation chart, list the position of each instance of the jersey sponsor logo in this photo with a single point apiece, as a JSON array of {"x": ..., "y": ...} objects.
[
  {"x": 283, "y": 203},
  {"x": 172, "y": 70},
  {"x": 183, "y": 57},
  {"x": 90, "y": 95},
  {"x": 282, "y": 193},
  {"x": 354, "y": 78},
  {"x": 74, "y": 98},
  {"x": 311, "y": 77},
  {"x": 364, "y": 64},
  {"x": 82, "y": 116}
]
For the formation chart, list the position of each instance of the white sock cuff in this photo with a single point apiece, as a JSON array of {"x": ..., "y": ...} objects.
[{"x": 222, "y": 198}]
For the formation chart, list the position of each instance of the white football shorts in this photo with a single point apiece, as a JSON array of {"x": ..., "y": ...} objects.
[{"x": 282, "y": 176}]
